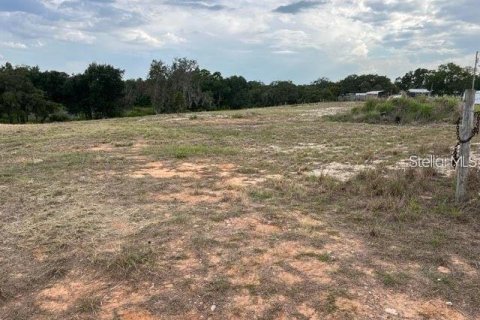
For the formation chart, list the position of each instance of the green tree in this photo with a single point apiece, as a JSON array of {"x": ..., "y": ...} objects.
[
  {"x": 19, "y": 98},
  {"x": 157, "y": 80},
  {"x": 368, "y": 82},
  {"x": 105, "y": 91},
  {"x": 420, "y": 78}
]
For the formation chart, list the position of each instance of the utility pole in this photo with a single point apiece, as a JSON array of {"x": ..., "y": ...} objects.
[
  {"x": 461, "y": 194},
  {"x": 464, "y": 159},
  {"x": 475, "y": 71}
]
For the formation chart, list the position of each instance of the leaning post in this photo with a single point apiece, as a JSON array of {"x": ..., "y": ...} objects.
[{"x": 464, "y": 154}]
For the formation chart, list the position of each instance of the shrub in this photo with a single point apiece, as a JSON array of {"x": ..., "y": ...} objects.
[
  {"x": 59, "y": 116},
  {"x": 140, "y": 112},
  {"x": 403, "y": 110}
]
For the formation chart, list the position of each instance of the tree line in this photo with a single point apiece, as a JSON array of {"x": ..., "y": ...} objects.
[{"x": 28, "y": 94}]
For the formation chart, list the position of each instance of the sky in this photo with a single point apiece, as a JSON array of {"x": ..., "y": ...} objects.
[{"x": 260, "y": 40}]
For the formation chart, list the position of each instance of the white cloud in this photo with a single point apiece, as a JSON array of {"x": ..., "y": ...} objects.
[
  {"x": 38, "y": 44},
  {"x": 361, "y": 50},
  {"x": 141, "y": 37},
  {"x": 74, "y": 36},
  {"x": 284, "y": 52},
  {"x": 385, "y": 36},
  {"x": 290, "y": 39},
  {"x": 13, "y": 45}
]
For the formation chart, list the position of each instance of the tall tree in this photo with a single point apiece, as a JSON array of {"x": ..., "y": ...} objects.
[
  {"x": 19, "y": 98},
  {"x": 105, "y": 90},
  {"x": 157, "y": 79}
]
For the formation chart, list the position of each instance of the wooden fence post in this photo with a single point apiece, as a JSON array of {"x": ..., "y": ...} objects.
[{"x": 464, "y": 153}]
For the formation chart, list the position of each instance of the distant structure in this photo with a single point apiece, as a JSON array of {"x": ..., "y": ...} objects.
[
  {"x": 363, "y": 96},
  {"x": 418, "y": 92},
  {"x": 360, "y": 96},
  {"x": 376, "y": 94},
  {"x": 347, "y": 97}
]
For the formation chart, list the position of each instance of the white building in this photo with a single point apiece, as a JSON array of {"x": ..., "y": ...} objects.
[
  {"x": 418, "y": 92},
  {"x": 374, "y": 94}
]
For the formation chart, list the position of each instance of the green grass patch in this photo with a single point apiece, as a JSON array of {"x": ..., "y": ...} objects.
[
  {"x": 324, "y": 257},
  {"x": 129, "y": 259},
  {"x": 261, "y": 194},
  {"x": 393, "y": 279},
  {"x": 140, "y": 112}
]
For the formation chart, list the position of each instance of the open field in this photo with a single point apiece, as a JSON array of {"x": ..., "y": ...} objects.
[{"x": 265, "y": 213}]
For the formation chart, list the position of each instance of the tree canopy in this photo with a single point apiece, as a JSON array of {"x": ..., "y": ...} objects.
[
  {"x": 29, "y": 94},
  {"x": 448, "y": 79}
]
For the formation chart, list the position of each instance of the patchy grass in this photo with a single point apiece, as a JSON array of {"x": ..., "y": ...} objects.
[
  {"x": 324, "y": 257},
  {"x": 89, "y": 305},
  {"x": 188, "y": 151},
  {"x": 241, "y": 214},
  {"x": 140, "y": 112},
  {"x": 393, "y": 279},
  {"x": 128, "y": 260}
]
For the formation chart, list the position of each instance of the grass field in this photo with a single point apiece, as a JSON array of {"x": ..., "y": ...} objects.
[{"x": 271, "y": 213}]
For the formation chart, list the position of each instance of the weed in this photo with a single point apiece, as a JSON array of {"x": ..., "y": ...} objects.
[
  {"x": 129, "y": 259},
  {"x": 89, "y": 304},
  {"x": 403, "y": 110},
  {"x": 393, "y": 279},
  {"x": 259, "y": 194},
  {"x": 324, "y": 257}
]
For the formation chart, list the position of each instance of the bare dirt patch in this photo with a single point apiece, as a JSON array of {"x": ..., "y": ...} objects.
[
  {"x": 191, "y": 196},
  {"x": 160, "y": 170},
  {"x": 245, "y": 303},
  {"x": 63, "y": 294},
  {"x": 240, "y": 182},
  {"x": 433, "y": 309},
  {"x": 353, "y": 306},
  {"x": 287, "y": 277},
  {"x": 340, "y": 171},
  {"x": 119, "y": 300},
  {"x": 136, "y": 315},
  {"x": 314, "y": 270},
  {"x": 251, "y": 223},
  {"x": 461, "y": 265},
  {"x": 39, "y": 254},
  {"x": 389, "y": 305}
]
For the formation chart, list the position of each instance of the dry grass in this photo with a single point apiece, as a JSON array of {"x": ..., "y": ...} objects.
[{"x": 233, "y": 215}]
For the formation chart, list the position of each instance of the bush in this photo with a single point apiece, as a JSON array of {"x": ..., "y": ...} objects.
[
  {"x": 60, "y": 116},
  {"x": 404, "y": 110},
  {"x": 140, "y": 112}
]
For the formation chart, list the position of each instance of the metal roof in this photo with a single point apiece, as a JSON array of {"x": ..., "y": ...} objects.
[{"x": 418, "y": 90}]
